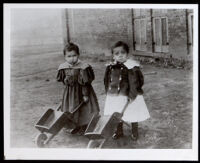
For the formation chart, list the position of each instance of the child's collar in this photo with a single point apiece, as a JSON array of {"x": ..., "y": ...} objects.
[
  {"x": 129, "y": 63},
  {"x": 79, "y": 64},
  {"x": 111, "y": 63}
]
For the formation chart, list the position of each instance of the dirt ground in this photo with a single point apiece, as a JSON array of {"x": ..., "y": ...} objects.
[{"x": 168, "y": 95}]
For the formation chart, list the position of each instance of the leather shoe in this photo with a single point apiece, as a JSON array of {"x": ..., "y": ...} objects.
[
  {"x": 75, "y": 130},
  {"x": 134, "y": 137},
  {"x": 117, "y": 135}
]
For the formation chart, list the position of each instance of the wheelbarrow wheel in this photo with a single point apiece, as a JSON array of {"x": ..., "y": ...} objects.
[
  {"x": 40, "y": 139},
  {"x": 93, "y": 144},
  {"x": 96, "y": 143}
]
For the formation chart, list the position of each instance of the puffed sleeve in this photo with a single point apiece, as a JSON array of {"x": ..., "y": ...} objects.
[
  {"x": 61, "y": 76},
  {"x": 85, "y": 79},
  {"x": 140, "y": 78},
  {"x": 136, "y": 81},
  {"x": 86, "y": 76},
  {"x": 106, "y": 78}
]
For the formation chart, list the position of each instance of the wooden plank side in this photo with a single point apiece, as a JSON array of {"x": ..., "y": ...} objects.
[
  {"x": 143, "y": 28},
  {"x": 137, "y": 34},
  {"x": 164, "y": 28},
  {"x": 157, "y": 34}
]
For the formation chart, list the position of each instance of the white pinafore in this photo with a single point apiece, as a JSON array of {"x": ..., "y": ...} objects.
[{"x": 135, "y": 112}]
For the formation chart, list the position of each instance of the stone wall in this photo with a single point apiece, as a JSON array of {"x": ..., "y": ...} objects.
[
  {"x": 96, "y": 30},
  {"x": 177, "y": 33},
  {"x": 36, "y": 29}
]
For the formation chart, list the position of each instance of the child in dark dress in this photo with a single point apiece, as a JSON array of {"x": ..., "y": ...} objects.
[
  {"x": 77, "y": 77},
  {"x": 123, "y": 82}
]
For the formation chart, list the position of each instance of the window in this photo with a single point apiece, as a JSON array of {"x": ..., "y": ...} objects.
[
  {"x": 160, "y": 31},
  {"x": 164, "y": 31},
  {"x": 140, "y": 34}
]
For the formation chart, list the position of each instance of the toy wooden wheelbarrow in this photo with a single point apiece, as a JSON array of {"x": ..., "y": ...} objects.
[
  {"x": 52, "y": 122},
  {"x": 103, "y": 127}
]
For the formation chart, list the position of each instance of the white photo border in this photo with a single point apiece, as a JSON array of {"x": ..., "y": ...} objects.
[{"x": 97, "y": 154}]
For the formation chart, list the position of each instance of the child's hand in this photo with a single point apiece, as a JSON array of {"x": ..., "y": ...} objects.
[
  {"x": 130, "y": 99},
  {"x": 85, "y": 99},
  {"x": 69, "y": 80}
]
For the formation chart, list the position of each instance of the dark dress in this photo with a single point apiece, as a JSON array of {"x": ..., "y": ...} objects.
[{"x": 77, "y": 80}]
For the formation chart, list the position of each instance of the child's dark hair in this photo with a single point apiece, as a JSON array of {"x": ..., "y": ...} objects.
[
  {"x": 118, "y": 44},
  {"x": 69, "y": 47}
]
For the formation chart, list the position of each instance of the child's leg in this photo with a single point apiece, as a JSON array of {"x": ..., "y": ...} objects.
[
  {"x": 68, "y": 127},
  {"x": 119, "y": 132},
  {"x": 134, "y": 134},
  {"x": 79, "y": 129},
  {"x": 83, "y": 128},
  {"x": 75, "y": 130}
]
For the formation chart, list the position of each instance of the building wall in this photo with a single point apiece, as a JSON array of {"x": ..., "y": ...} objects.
[
  {"x": 36, "y": 28},
  {"x": 96, "y": 30},
  {"x": 177, "y": 31}
]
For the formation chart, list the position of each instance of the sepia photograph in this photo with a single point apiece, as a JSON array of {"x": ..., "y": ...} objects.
[{"x": 101, "y": 81}]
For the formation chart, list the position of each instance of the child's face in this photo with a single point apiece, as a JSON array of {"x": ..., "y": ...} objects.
[
  {"x": 120, "y": 54},
  {"x": 71, "y": 57}
]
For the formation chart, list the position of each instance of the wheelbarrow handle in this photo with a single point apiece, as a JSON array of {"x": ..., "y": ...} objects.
[
  {"x": 123, "y": 113},
  {"x": 78, "y": 107},
  {"x": 125, "y": 106},
  {"x": 59, "y": 106}
]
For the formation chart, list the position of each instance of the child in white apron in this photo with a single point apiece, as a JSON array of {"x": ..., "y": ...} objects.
[{"x": 123, "y": 82}]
